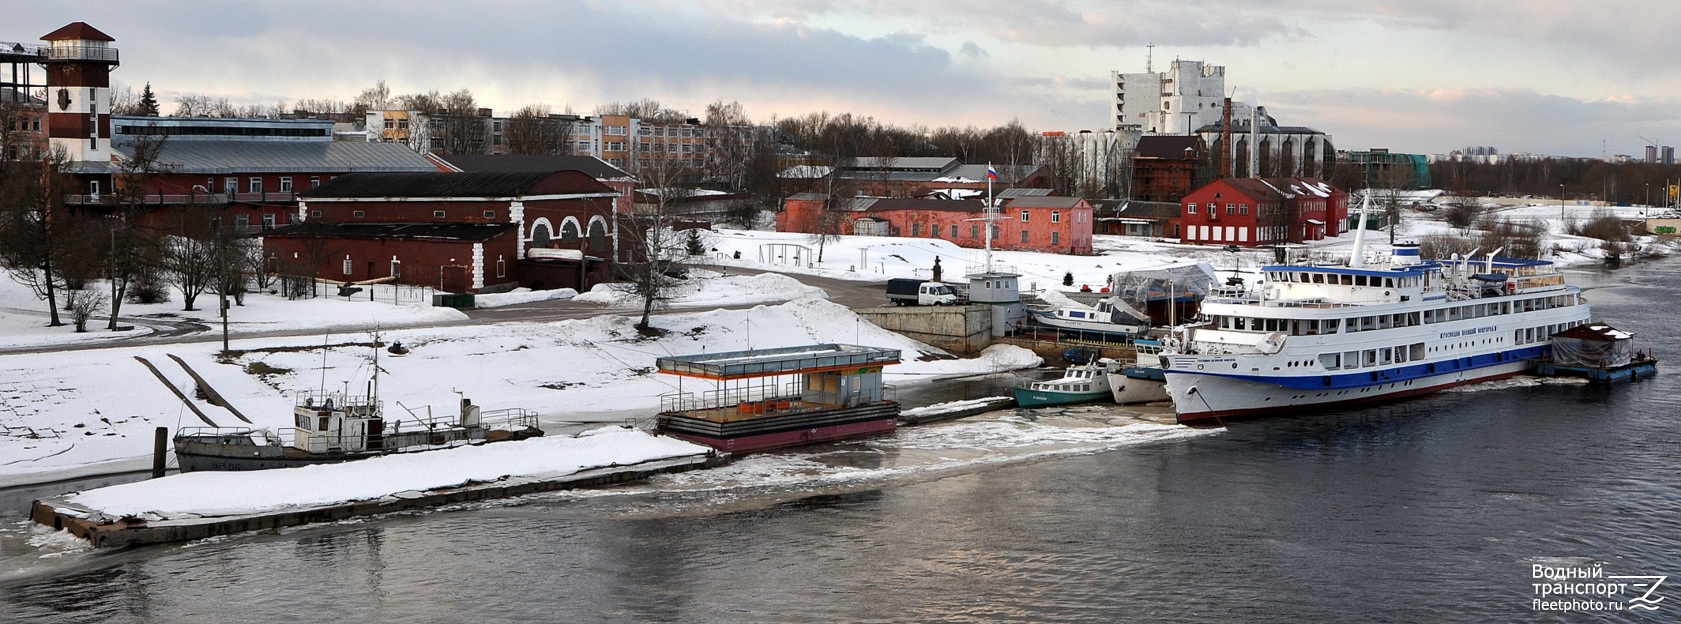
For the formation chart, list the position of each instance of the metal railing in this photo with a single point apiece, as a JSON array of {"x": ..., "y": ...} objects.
[
  {"x": 727, "y": 397},
  {"x": 60, "y": 52}
]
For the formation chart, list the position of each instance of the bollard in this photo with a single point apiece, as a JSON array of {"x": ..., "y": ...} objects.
[{"x": 160, "y": 443}]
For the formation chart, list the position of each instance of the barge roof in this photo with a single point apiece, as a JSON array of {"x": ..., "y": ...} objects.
[{"x": 779, "y": 361}]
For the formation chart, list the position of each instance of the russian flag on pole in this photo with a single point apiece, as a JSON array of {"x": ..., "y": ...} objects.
[{"x": 991, "y": 174}]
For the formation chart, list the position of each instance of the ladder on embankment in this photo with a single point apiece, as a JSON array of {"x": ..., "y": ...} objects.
[{"x": 215, "y": 398}]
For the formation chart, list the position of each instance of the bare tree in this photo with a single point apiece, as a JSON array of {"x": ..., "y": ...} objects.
[
  {"x": 729, "y": 139},
  {"x": 35, "y": 227},
  {"x": 640, "y": 109},
  {"x": 665, "y": 179},
  {"x": 124, "y": 101},
  {"x": 83, "y": 304},
  {"x": 197, "y": 105},
  {"x": 135, "y": 174},
  {"x": 377, "y": 97},
  {"x": 534, "y": 130}
]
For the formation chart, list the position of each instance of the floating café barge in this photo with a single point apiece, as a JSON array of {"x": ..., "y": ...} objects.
[{"x": 772, "y": 398}]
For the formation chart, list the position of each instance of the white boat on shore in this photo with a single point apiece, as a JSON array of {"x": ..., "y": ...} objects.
[
  {"x": 1082, "y": 383},
  {"x": 1111, "y": 318}
]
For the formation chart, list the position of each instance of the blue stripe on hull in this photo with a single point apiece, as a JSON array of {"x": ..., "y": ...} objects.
[{"x": 1410, "y": 372}]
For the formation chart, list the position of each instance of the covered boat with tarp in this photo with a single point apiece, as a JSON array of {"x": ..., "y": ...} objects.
[
  {"x": 1597, "y": 352},
  {"x": 1165, "y": 293}
]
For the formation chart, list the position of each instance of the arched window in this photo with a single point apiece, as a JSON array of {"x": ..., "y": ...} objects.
[
  {"x": 540, "y": 234},
  {"x": 569, "y": 233},
  {"x": 598, "y": 235}
]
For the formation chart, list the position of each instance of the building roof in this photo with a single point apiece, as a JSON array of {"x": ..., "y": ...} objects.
[
  {"x": 919, "y": 163},
  {"x": 1168, "y": 147},
  {"x": 594, "y": 167},
  {"x": 77, "y": 31},
  {"x": 1007, "y": 174},
  {"x": 957, "y": 205},
  {"x": 225, "y": 157},
  {"x": 470, "y": 232},
  {"x": 1021, "y": 191},
  {"x": 1045, "y": 201},
  {"x": 458, "y": 185},
  {"x": 1280, "y": 188}
]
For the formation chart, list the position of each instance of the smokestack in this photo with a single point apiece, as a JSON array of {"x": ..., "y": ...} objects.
[{"x": 1227, "y": 152}]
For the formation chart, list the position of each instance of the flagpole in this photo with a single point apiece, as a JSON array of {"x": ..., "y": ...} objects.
[{"x": 991, "y": 205}]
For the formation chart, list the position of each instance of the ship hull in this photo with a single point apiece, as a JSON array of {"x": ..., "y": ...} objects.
[
  {"x": 1029, "y": 397},
  {"x": 1212, "y": 399},
  {"x": 1138, "y": 385},
  {"x": 765, "y": 433}
]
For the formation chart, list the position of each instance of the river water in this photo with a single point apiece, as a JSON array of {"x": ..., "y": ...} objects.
[{"x": 1434, "y": 510}]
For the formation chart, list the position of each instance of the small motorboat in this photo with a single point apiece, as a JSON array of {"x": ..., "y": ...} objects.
[{"x": 1080, "y": 384}]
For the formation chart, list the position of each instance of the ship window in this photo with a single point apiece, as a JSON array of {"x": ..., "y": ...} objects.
[
  {"x": 1302, "y": 277},
  {"x": 1318, "y": 278},
  {"x": 1331, "y": 361},
  {"x": 1368, "y": 358},
  {"x": 1384, "y": 356},
  {"x": 1347, "y": 280},
  {"x": 1416, "y": 351},
  {"x": 1388, "y": 282}
]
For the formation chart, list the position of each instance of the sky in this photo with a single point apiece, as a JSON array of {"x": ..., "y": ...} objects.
[{"x": 1556, "y": 77}]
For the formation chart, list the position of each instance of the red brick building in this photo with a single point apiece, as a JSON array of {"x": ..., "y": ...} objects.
[
  {"x": 1030, "y": 223},
  {"x": 1250, "y": 212},
  {"x": 1166, "y": 168},
  {"x": 458, "y": 232}
]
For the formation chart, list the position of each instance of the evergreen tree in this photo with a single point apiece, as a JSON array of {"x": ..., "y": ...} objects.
[{"x": 148, "y": 102}]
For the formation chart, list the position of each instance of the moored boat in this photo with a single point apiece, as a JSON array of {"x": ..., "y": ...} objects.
[
  {"x": 1111, "y": 318},
  {"x": 1325, "y": 336},
  {"x": 772, "y": 398},
  {"x": 1081, "y": 383},
  {"x": 1142, "y": 381},
  {"x": 332, "y": 427}
]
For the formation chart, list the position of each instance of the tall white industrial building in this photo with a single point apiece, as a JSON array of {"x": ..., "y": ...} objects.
[{"x": 1176, "y": 102}]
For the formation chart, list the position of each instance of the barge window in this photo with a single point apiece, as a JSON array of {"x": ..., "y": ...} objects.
[{"x": 1368, "y": 358}]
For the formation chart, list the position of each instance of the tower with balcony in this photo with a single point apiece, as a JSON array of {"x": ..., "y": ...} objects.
[{"x": 79, "y": 59}]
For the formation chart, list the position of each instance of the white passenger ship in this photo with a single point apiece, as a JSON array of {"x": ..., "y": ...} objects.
[{"x": 1311, "y": 337}]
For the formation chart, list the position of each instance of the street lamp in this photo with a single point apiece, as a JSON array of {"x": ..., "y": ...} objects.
[{"x": 1561, "y": 207}]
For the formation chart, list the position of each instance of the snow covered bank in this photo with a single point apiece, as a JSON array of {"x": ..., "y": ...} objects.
[{"x": 91, "y": 411}]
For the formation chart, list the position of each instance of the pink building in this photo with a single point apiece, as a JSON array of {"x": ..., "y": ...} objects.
[{"x": 1049, "y": 224}]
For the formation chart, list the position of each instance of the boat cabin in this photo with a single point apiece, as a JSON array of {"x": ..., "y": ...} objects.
[{"x": 327, "y": 422}]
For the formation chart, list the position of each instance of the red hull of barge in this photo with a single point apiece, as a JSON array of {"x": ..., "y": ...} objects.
[{"x": 785, "y": 439}]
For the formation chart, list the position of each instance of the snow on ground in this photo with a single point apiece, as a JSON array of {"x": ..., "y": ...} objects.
[
  {"x": 23, "y": 317},
  {"x": 521, "y": 296},
  {"x": 874, "y": 258},
  {"x": 704, "y": 287},
  {"x": 210, "y": 493},
  {"x": 89, "y": 411}
]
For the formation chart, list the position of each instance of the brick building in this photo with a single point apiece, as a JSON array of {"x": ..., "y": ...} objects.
[
  {"x": 1165, "y": 168},
  {"x": 458, "y": 232},
  {"x": 1250, "y": 212},
  {"x": 1027, "y": 223}
]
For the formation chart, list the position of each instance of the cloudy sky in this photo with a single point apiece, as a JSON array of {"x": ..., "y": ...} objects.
[{"x": 1561, "y": 77}]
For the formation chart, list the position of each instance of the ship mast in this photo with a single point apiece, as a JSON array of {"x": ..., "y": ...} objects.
[{"x": 1357, "y": 258}]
